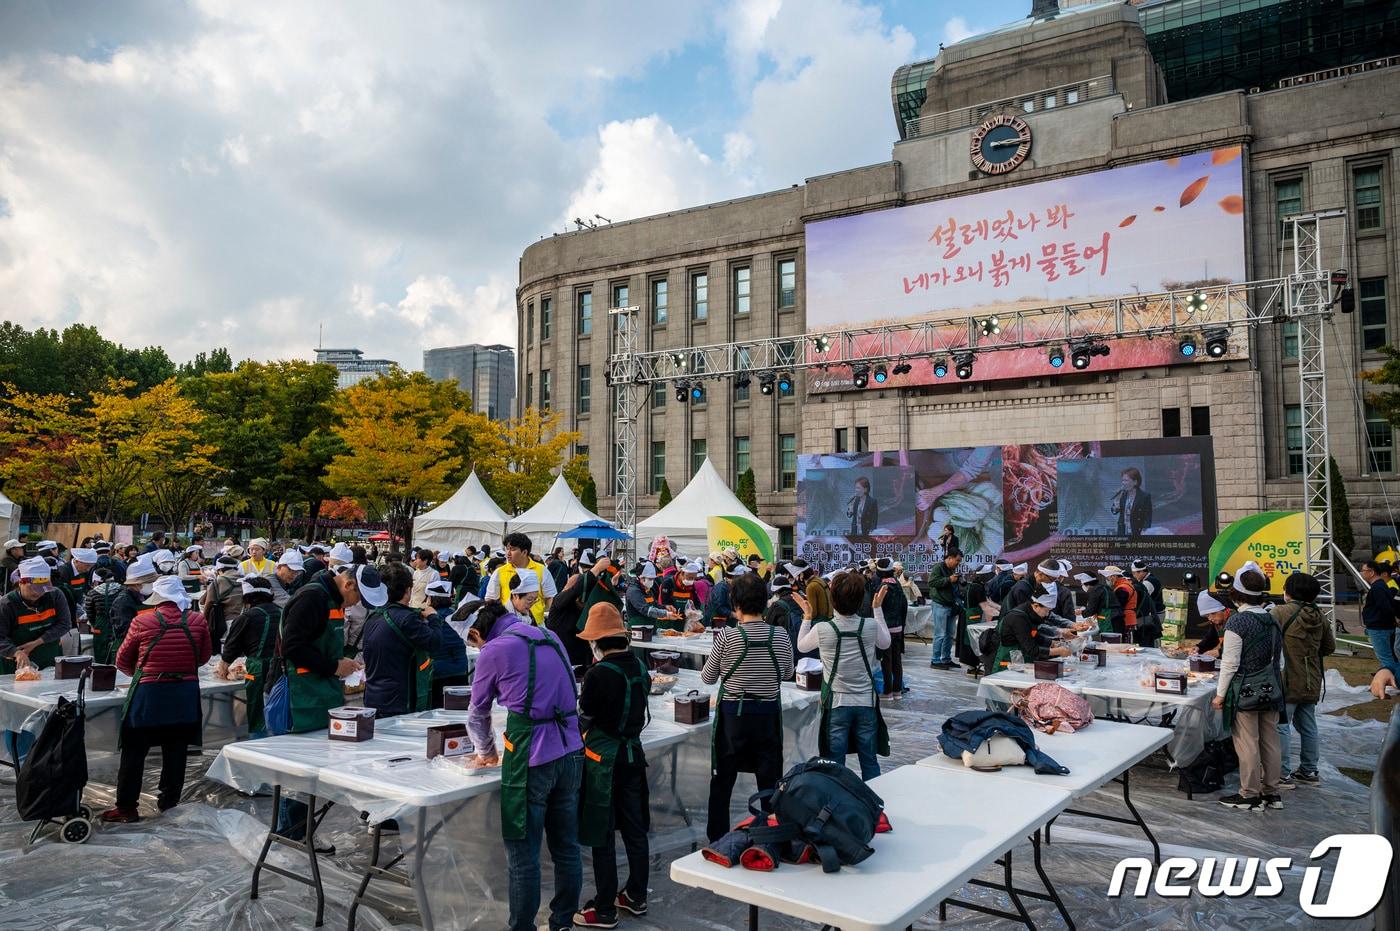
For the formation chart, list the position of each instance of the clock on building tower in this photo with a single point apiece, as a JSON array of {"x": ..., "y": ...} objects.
[{"x": 1000, "y": 144}]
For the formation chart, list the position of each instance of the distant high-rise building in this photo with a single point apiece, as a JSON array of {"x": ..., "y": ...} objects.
[
  {"x": 487, "y": 373},
  {"x": 352, "y": 365}
]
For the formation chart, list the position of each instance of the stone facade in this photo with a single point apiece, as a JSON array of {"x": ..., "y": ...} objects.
[{"x": 1319, "y": 133}]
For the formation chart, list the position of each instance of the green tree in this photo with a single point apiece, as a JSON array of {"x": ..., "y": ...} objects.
[
  {"x": 399, "y": 450},
  {"x": 579, "y": 477},
  {"x": 665, "y": 498},
  {"x": 747, "y": 492},
  {"x": 1343, "y": 537},
  {"x": 518, "y": 459},
  {"x": 589, "y": 496},
  {"x": 1386, "y": 403},
  {"x": 205, "y": 363}
]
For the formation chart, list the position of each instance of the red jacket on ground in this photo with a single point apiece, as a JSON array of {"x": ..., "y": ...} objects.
[{"x": 172, "y": 654}]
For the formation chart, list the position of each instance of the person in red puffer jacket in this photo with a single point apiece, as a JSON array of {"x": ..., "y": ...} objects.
[{"x": 163, "y": 651}]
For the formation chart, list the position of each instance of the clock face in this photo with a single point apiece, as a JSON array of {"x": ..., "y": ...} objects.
[{"x": 1000, "y": 144}]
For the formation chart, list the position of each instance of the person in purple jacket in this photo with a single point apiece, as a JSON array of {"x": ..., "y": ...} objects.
[{"x": 525, "y": 669}]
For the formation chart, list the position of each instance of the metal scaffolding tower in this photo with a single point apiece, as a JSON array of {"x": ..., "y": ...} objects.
[{"x": 626, "y": 383}]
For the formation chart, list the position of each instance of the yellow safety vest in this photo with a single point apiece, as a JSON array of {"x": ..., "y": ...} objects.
[
  {"x": 261, "y": 567},
  {"x": 508, "y": 572}
]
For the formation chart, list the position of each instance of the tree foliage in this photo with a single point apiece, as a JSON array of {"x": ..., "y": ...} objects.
[
  {"x": 517, "y": 459},
  {"x": 78, "y": 362},
  {"x": 747, "y": 492},
  {"x": 1386, "y": 403},
  {"x": 401, "y": 439},
  {"x": 665, "y": 497}
]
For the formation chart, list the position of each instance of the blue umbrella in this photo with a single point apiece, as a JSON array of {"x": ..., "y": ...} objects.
[{"x": 595, "y": 530}]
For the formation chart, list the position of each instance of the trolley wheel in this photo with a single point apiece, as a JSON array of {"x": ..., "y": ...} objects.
[
  {"x": 85, "y": 812},
  {"x": 75, "y": 831}
]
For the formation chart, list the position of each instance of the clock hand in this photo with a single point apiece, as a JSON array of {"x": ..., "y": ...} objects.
[{"x": 1004, "y": 144}]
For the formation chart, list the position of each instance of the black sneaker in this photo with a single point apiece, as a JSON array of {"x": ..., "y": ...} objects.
[
  {"x": 1307, "y": 779},
  {"x": 1239, "y": 801},
  {"x": 1286, "y": 781},
  {"x": 1273, "y": 801},
  {"x": 627, "y": 905},
  {"x": 590, "y": 917}
]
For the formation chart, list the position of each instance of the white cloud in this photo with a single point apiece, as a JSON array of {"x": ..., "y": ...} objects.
[{"x": 956, "y": 29}]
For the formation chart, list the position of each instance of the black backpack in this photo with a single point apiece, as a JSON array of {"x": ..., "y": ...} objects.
[{"x": 823, "y": 804}]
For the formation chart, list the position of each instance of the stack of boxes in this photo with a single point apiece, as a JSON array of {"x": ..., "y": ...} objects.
[{"x": 1174, "y": 620}]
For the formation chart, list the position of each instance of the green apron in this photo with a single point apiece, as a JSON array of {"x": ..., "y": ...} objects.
[
  {"x": 633, "y": 618},
  {"x": 1003, "y": 660},
  {"x": 313, "y": 696},
  {"x": 31, "y": 625},
  {"x": 420, "y": 681},
  {"x": 882, "y": 734},
  {"x": 256, "y": 675},
  {"x": 139, "y": 674},
  {"x": 678, "y": 603},
  {"x": 716, "y": 714},
  {"x": 104, "y": 644},
  {"x": 520, "y": 732},
  {"x": 600, "y": 750}
]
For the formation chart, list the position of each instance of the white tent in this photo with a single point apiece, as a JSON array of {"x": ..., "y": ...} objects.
[
  {"x": 9, "y": 518},
  {"x": 557, "y": 511},
  {"x": 684, "y": 520},
  {"x": 467, "y": 518}
]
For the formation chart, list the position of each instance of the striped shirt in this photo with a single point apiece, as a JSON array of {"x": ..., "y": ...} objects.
[{"x": 755, "y": 676}]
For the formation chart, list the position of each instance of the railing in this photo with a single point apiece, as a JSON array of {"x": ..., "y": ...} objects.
[
  {"x": 1050, "y": 98},
  {"x": 1342, "y": 71}
]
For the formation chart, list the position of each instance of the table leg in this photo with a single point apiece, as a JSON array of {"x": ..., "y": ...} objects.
[
  {"x": 1128, "y": 800},
  {"x": 420, "y": 891},
  {"x": 1011, "y": 891},
  {"x": 308, "y": 844},
  {"x": 753, "y": 918},
  {"x": 1049, "y": 887}
]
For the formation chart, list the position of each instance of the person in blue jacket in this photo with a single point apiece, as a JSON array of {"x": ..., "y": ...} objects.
[
  {"x": 398, "y": 644},
  {"x": 450, "y": 663}
]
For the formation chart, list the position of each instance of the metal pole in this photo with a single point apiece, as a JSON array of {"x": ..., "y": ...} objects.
[{"x": 624, "y": 378}]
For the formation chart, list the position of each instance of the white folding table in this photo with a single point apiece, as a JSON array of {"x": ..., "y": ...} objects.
[
  {"x": 931, "y": 853},
  {"x": 694, "y": 650},
  {"x": 1103, "y": 752}
]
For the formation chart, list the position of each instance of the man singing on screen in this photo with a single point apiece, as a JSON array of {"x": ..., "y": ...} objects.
[
  {"x": 1132, "y": 505},
  {"x": 863, "y": 510}
]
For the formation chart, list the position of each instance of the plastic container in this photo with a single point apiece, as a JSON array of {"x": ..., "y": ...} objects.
[
  {"x": 104, "y": 678},
  {"x": 693, "y": 707},
  {"x": 1202, "y": 663},
  {"x": 643, "y": 633},
  {"x": 351, "y": 724},
  {"x": 71, "y": 667},
  {"x": 1052, "y": 668},
  {"x": 664, "y": 661},
  {"x": 456, "y": 697},
  {"x": 449, "y": 740}
]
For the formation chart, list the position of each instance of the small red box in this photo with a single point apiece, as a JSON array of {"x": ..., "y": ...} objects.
[
  {"x": 1049, "y": 668},
  {"x": 693, "y": 707},
  {"x": 71, "y": 667},
  {"x": 351, "y": 724},
  {"x": 810, "y": 681},
  {"x": 643, "y": 633},
  {"x": 449, "y": 740},
  {"x": 1170, "y": 683}
]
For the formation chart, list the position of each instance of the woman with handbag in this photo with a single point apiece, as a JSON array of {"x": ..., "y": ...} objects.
[{"x": 1249, "y": 692}]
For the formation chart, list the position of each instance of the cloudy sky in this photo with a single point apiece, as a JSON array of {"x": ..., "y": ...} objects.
[{"x": 233, "y": 173}]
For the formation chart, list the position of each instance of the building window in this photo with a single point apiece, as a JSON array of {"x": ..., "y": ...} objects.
[
  {"x": 546, "y": 317},
  {"x": 585, "y": 313},
  {"x": 620, "y": 295},
  {"x": 787, "y": 546},
  {"x": 1049, "y": 101},
  {"x": 1288, "y": 200},
  {"x": 741, "y": 363},
  {"x": 743, "y": 283},
  {"x": 843, "y": 440},
  {"x": 1071, "y": 96},
  {"x": 1290, "y": 339},
  {"x": 787, "y": 283},
  {"x": 700, "y": 296},
  {"x": 862, "y": 439},
  {"x": 1293, "y": 437},
  {"x": 1374, "y": 315},
  {"x": 581, "y": 451},
  {"x": 658, "y": 394},
  {"x": 1171, "y": 421},
  {"x": 698, "y": 453},
  {"x": 1380, "y": 437},
  {"x": 787, "y": 460},
  {"x": 658, "y": 466},
  {"x": 1366, "y": 192},
  {"x": 544, "y": 390},
  {"x": 742, "y": 461},
  {"x": 529, "y": 322},
  {"x": 585, "y": 389},
  {"x": 529, "y": 390},
  {"x": 660, "y": 295},
  {"x": 1200, "y": 421}
]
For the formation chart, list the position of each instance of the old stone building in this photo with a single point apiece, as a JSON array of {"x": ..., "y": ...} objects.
[{"x": 1085, "y": 82}]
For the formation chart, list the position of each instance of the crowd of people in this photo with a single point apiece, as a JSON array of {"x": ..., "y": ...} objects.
[{"x": 552, "y": 636}]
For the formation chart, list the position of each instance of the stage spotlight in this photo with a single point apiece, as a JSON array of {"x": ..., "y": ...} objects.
[
  {"x": 785, "y": 383},
  {"x": 964, "y": 366},
  {"x": 1196, "y": 302},
  {"x": 1056, "y": 357},
  {"x": 765, "y": 382},
  {"x": 697, "y": 393},
  {"x": 742, "y": 381},
  {"x": 1187, "y": 346},
  {"x": 681, "y": 392},
  {"x": 881, "y": 375},
  {"x": 1217, "y": 342},
  {"x": 861, "y": 375},
  {"x": 940, "y": 367},
  {"x": 821, "y": 343},
  {"x": 991, "y": 326},
  {"x": 1083, "y": 353},
  {"x": 678, "y": 360},
  {"x": 902, "y": 368}
]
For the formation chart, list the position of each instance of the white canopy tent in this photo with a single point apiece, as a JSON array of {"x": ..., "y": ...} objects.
[
  {"x": 9, "y": 518},
  {"x": 684, "y": 520},
  {"x": 559, "y": 510},
  {"x": 467, "y": 518}
]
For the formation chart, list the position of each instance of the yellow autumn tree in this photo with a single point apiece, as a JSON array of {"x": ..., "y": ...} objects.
[
  {"x": 517, "y": 459},
  {"x": 402, "y": 434},
  {"x": 35, "y": 435}
]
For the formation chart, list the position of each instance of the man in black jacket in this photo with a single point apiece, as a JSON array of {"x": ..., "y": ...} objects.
[
  {"x": 1378, "y": 615},
  {"x": 896, "y": 611},
  {"x": 565, "y": 612}
]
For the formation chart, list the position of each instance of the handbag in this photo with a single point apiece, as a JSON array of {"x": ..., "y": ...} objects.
[
  {"x": 1262, "y": 689},
  {"x": 277, "y": 709}
]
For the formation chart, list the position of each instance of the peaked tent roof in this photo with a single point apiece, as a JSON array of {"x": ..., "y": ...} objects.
[
  {"x": 557, "y": 511},
  {"x": 9, "y": 517},
  {"x": 684, "y": 520},
  {"x": 469, "y": 517}
]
